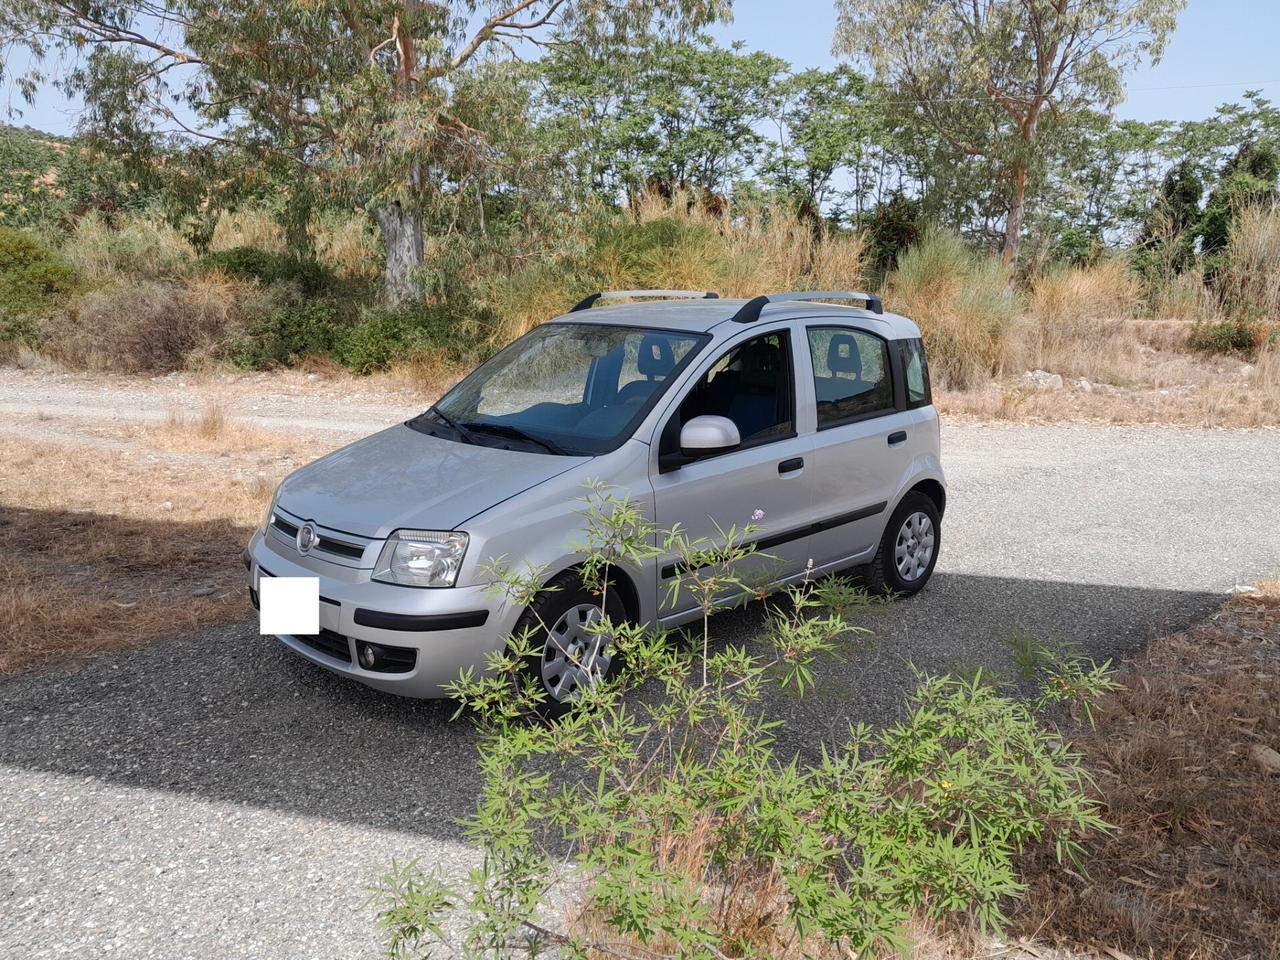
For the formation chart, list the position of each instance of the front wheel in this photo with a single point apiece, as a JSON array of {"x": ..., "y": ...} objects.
[
  {"x": 573, "y": 654},
  {"x": 908, "y": 548}
]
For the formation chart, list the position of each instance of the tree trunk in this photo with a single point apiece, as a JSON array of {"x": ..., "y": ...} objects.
[
  {"x": 402, "y": 236},
  {"x": 1017, "y": 214}
]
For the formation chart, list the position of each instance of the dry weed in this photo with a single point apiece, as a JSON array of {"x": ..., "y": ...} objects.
[
  {"x": 140, "y": 247},
  {"x": 74, "y": 583},
  {"x": 152, "y": 325},
  {"x": 1190, "y": 869},
  {"x": 248, "y": 228}
]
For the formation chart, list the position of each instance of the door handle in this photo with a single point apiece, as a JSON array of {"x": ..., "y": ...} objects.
[
  {"x": 898, "y": 436},
  {"x": 791, "y": 466}
]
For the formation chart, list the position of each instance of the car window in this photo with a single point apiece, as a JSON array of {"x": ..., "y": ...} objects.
[
  {"x": 750, "y": 384},
  {"x": 580, "y": 388},
  {"x": 917, "y": 374},
  {"x": 850, "y": 374}
]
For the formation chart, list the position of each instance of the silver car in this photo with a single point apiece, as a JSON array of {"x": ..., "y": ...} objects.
[{"x": 812, "y": 420}]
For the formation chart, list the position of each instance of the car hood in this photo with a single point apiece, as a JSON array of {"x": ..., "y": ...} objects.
[{"x": 402, "y": 478}]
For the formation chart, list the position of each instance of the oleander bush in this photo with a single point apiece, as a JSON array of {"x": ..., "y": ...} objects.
[{"x": 661, "y": 809}]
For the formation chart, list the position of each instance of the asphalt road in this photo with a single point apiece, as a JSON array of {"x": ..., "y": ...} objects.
[{"x": 212, "y": 796}]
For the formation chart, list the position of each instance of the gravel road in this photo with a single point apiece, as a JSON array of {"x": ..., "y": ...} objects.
[{"x": 212, "y": 796}]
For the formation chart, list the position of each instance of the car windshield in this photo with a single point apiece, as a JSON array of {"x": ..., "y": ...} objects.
[{"x": 569, "y": 388}]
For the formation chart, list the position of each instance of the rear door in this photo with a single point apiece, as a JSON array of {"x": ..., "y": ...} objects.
[
  {"x": 765, "y": 480},
  {"x": 861, "y": 448}
]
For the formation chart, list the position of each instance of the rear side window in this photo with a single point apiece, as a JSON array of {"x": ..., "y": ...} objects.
[
  {"x": 917, "y": 374},
  {"x": 850, "y": 374}
]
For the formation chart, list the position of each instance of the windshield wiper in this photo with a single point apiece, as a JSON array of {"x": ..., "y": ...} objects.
[
  {"x": 507, "y": 429},
  {"x": 459, "y": 428}
]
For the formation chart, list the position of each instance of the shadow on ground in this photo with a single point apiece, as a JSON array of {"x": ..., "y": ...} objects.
[{"x": 228, "y": 715}]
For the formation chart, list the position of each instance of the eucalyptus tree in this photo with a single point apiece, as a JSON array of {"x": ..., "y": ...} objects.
[
  {"x": 986, "y": 75},
  {"x": 373, "y": 98}
]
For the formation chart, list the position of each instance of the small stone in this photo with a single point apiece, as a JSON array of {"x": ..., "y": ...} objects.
[
  {"x": 1265, "y": 757},
  {"x": 167, "y": 505},
  {"x": 203, "y": 591}
]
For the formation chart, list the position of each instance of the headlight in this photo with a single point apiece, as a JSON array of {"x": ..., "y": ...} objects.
[
  {"x": 271, "y": 509},
  {"x": 422, "y": 558}
]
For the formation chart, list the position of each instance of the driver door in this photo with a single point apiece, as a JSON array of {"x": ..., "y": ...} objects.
[{"x": 764, "y": 481}]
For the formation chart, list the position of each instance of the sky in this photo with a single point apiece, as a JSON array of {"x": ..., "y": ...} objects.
[{"x": 1220, "y": 49}]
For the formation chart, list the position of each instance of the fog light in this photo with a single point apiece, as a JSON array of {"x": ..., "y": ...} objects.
[{"x": 370, "y": 656}]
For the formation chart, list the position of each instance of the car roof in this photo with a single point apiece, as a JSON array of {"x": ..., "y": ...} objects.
[{"x": 705, "y": 316}]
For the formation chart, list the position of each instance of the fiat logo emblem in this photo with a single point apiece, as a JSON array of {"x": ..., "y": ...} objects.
[{"x": 306, "y": 538}]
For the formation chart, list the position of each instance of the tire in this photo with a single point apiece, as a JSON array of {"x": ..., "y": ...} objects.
[
  {"x": 559, "y": 616},
  {"x": 905, "y": 571}
]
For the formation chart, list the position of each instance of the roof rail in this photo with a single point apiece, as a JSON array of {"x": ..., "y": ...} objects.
[
  {"x": 750, "y": 311},
  {"x": 588, "y": 302}
]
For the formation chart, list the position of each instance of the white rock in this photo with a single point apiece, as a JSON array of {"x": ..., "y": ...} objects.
[{"x": 1042, "y": 378}]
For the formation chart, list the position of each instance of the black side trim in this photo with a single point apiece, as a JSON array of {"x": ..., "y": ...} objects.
[
  {"x": 420, "y": 623},
  {"x": 778, "y": 539},
  {"x": 334, "y": 603}
]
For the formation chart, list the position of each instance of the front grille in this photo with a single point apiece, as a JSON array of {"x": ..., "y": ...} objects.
[
  {"x": 342, "y": 548},
  {"x": 328, "y": 642},
  {"x": 284, "y": 526},
  {"x": 353, "y": 550}
]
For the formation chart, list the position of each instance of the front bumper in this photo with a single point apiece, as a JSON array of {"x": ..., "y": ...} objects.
[{"x": 447, "y": 630}]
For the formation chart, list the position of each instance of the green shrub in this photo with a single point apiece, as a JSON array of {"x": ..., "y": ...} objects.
[
  {"x": 254, "y": 263},
  {"x": 33, "y": 282},
  {"x": 386, "y": 335},
  {"x": 674, "y": 823},
  {"x": 1235, "y": 335},
  {"x": 286, "y": 334}
]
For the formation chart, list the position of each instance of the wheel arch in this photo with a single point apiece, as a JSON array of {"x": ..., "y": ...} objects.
[
  {"x": 932, "y": 489},
  {"x": 622, "y": 579}
]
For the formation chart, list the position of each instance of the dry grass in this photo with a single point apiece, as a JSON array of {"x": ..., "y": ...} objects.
[
  {"x": 1251, "y": 281},
  {"x": 248, "y": 228},
  {"x": 141, "y": 247},
  {"x": 766, "y": 249},
  {"x": 1061, "y": 296},
  {"x": 1192, "y": 868},
  {"x": 106, "y": 548},
  {"x": 347, "y": 243},
  {"x": 1265, "y": 383},
  {"x": 152, "y": 325},
  {"x": 963, "y": 303},
  {"x": 209, "y": 431},
  {"x": 72, "y": 584}
]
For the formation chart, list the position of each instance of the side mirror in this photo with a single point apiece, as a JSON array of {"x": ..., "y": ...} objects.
[{"x": 708, "y": 434}]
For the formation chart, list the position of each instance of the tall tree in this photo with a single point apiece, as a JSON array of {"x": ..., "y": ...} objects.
[
  {"x": 363, "y": 96},
  {"x": 985, "y": 74},
  {"x": 662, "y": 114}
]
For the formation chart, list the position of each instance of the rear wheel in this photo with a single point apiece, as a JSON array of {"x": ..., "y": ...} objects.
[
  {"x": 908, "y": 548},
  {"x": 573, "y": 653}
]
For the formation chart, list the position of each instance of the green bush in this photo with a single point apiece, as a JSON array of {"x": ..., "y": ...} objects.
[
  {"x": 676, "y": 825},
  {"x": 374, "y": 342},
  {"x": 33, "y": 281},
  {"x": 254, "y": 263},
  {"x": 286, "y": 334},
  {"x": 386, "y": 335},
  {"x": 1236, "y": 335}
]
